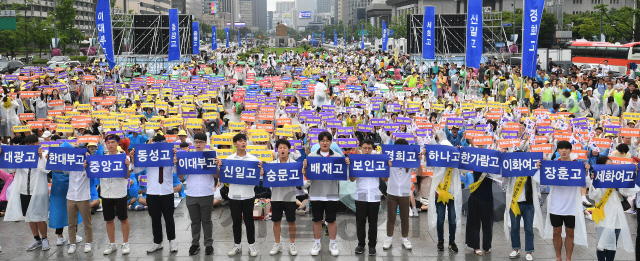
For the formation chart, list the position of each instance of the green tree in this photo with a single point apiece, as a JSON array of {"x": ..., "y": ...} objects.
[
  {"x": 616, "y": 23},
  {"x": 66, "y": 15},
  {"x": 399, "y": 26}
]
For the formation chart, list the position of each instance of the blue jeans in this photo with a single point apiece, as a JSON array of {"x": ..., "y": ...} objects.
[
  {"x": 526, "y": 212},
  {"x": 440, "y": 209},
  {"x": 607, "y": 255}
]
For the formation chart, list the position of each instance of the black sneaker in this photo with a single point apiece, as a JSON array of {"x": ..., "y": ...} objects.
[
  {"x": 194, "y": 249},
  {"x": 372, "y": 251},
  {"x": 208, "y": 250},
  {"x": 441, "y": 245},
  {"x": 93, "y": 211},
  {"x": 453, "y": 247},
  {"x": 359, "y": 249}
]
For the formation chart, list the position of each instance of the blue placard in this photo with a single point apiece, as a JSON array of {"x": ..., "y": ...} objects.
[
  {"x": 196, "y": 37},
  {"x": 442, "y": 156},
  {"x": 519, "y": 164},
  {"x": 323, "y": 168},
  {"x": 369, "y": 165},
  {"x": 19, "y": 157},
  {"x": 282, "y": 175},
  {"x": 429, "y": 32},
  {"x": 154, "y": 155},
  {"x": 385, "y": 36},
  {"x": 532, "y": 17},
  {"x": 214, "y": 38},
  {"x": 196, "y": 162},
  {"x": 614, "y": 176},
  {"x": 174, "y": 38},
  {"x": 403, "y": 156},
  {"x": 107, "y": 166},
  {"x": 66, "y": 159},
  {"x": 105, "y": 34},
  {"x": 562, "y": 173},
  {"x": 240, "y": 172},
  {"x": 474, "y": 33},
  {"x": 478, "y": 159}
]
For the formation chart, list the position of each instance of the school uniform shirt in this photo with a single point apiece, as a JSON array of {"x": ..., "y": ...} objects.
[
  {"x": 79, "y": 189},
  {"x": 114, "y": 187},
  {"x": 285, "y": 194},
  {"x": 153, "y": 183},
  {"x": 400, "y": 181},
  {"x": 368, "y": 189},
  {"x": 241, "y": 192},
  {"x": 324, "y": 190},
  {"x": 200, "y": 185}
]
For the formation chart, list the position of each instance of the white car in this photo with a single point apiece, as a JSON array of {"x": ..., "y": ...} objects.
[{"x": 58, "y": 60}]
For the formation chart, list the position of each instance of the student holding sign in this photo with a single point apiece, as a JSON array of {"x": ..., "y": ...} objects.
[
  {"x": 564, "y": 211},
  {"x": 324, "y": 197},
  {"x": 8, "y": 117},
  {"x": 199, "y": 201},
  {"x": 114, "y": 198},
  {"x": 29, "y": 198},
  {"x": 611, "y": 222}
]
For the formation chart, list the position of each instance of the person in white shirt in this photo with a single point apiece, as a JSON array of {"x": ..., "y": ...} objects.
[
  {"x": 283, "y": 199},
  {"x": 605, "y": 67},
  {"x": 398, "y": 196},
  {"x": 367, "y": 197},
  {"x": 78, "y": 200},
  {"x": 29, "y": 200},
  {"x": 199, "y": 202},
  {"x": 241, "y": 199},
  {"x": 160, "y": 200},
  {"x": 114, "y": 197}
]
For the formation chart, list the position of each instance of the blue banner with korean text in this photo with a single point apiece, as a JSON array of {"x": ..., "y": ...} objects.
[
  {"x": 174, "y": 38},
  {"x": 335, "y": 38},
  {"x": 531, "y": 28},
  {"x": 214, "y": 38},
  {"x": 369, "y": 165},
  {"x": 241, "y": 172},
  {"x": 196, "y": 37},
  {"x": 614, "y": 176},
  {"x": 154, "y": 155},
  {"x": 562, "y": 173},
  {"x": 482, "y": 160},
  {"x": 403, "y": 156},
  {"x": 474, "y": 33},
  {"x": 226, "y": 34},
  {"x": 196, "y": 162},
  {"x": 442, "y": 156},
  {"x": 105, "y": 34},
  {"x": 282, "y": 175},
  {"x": 107, "y": 166},
  {"x": 322, "y": 168},
  {"x": 429, "y": 33},
  {"x": 519, "y": 164},
  {"x": 385, "y": 36},
  {"x": 66, "y": 159},
  {"x": 19, "y": 157}
]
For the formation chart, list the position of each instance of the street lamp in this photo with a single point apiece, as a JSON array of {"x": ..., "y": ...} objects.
[{"x": 26, "y": 34}]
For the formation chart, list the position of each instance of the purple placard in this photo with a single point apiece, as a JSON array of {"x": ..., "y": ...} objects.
[
  {"x": 469, "y": 114},
  {"x": 393, "y": 107},
  {"x": 378, "y": 122},
  {"x": 347, "y": 143},
  {"x": 376, "y": 99},
  {"x": 291, "y": 109},
  {"x": 345, "y": 130},
  {"x": 303, "y": 93},
  {"x": 423, "y": 132},
  {"x": 545, "y": 129},
  {"x": 333, "y": 123},
  {"x": 119, "y": 133},
  {"x": 391, "y": 126},
  {"x": 409, "y": 137},
  {"x": 403, "y": 120},
  {"x": 455, "y": 121},
  {"x": 191, "y": 114},
  {"x": 579, "y": 121},
  {"x": 49, "y": 144},
  {"x": 11, "y": 77},
  {"x": 328, "y": 107},
  {"x": 313, "y": 120},
  {"x": 413, "y": 110},
  {"x": 508, "y": 134},
  {"x": 365, "y": 128},
  {"x": 481, "y": 127},
  {"x": 327, "y": 116},
  {"x": 307, "y": 112},
  {"x": 318, "y": 130},
  {"x": 613, "y": 129},
  {"x": 297, "y": 144}
]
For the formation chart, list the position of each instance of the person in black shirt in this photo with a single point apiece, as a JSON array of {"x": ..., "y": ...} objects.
[
  {"x": 631, "y": 89},
  {"x": 480, "y": 213}
]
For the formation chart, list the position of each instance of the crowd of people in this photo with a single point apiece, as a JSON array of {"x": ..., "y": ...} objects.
[{"x": 376, "y": 98}]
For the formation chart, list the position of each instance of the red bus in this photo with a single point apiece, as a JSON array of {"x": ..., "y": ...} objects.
[{"x": 591, "y": 54}]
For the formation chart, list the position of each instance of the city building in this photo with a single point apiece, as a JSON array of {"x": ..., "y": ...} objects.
[
  {"x": 270, "y": 20},
  {"x": 230, "y": 7},
  {"x": 378, "y": 11},
  {"x": 245, "y": 12},
  {"x": 260, "y": 18},
  {"x": 85, "y": 12},
  {"x": 325, "y": 6},
  {"x": 348, "y": 11},
  {"x": 285, "y": 6}
]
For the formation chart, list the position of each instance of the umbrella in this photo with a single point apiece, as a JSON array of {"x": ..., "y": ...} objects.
[{"x": 499, "y": 198}]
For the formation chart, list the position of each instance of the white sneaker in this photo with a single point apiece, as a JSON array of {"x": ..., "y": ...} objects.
[
  {"x": 154, "y": 248},
  {"x": 72, "y": 249},
  {"x": 45, "y": 244},
  {"x": 60, "y": 241},
  {"x": 387, "y": 243},
  {"x": 235, "y": 250},
  {"x": 292, "y": 250},
  {"x": 173, "y": 245},
  {"x": 276, "y": 248},
  {"x": 78, "y": 239},
  {"x": 99, "y": 209},
  {"x": 125, "y": 249},
  {"x": 586, "y": 203},
  {"x": 529, "y": 257},
  {"x": 35, "y": 245},
  {"x": 406, "y": 243},
  {"x": 252, "y": 250},
  {"x": 333, "y": 247},
  {"x": 588, "y": 216},
  {"x": 316, "y": 249},
  {"x": 0, "y": 248},
  {"x": 514, "y": 254},
  {"x": 87, "y": 247},
  {"x": 410, "y": 212},
  {"x": 416, "y": 213},
  {"x": 110, "y": 249}
]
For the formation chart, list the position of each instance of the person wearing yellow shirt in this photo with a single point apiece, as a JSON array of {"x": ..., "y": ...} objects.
[{"x": 353, "y": 121}]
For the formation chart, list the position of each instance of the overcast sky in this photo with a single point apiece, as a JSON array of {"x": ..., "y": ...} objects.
[{"x": 271, "y": 5}]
